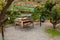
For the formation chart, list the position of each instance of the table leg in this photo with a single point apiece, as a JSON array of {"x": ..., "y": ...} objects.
[{"x": 22, "y": 25}]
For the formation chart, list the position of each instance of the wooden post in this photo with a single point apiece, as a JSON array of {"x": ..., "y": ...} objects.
[{"x": 40, "y": 21}]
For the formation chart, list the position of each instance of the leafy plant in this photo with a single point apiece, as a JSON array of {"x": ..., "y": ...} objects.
[
  {"x": 36, "y": 13},
  {"x": 12, "y": 16}
]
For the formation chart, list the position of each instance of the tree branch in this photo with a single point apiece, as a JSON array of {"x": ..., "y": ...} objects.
[{"x": 3, "y": 12}]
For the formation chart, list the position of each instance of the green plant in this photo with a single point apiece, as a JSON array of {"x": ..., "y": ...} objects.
[
  {"x": 36, "y": 14},
  {"x": 12, "y": 16}
]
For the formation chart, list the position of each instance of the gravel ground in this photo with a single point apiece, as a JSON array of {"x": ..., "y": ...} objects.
[{"x": 36, "y": 33}]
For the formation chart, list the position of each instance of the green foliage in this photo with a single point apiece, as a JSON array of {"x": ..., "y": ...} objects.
[
  {"x": 40, "y": 12},
  {"x": 49, "y": 5},
  {"x": 48, "y": 9},
  {"x": 58, "y": 10},
  {"x": 54, "y": 14},
  {"x": 53, "y": 32},
  {"x": 12, "y": 16},
  {"x": 36, "y": 14}
]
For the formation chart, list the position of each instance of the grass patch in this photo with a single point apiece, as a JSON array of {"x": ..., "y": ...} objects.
[{"x": 53, "y": 32}]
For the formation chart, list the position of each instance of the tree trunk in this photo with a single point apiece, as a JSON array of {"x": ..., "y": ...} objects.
[
  {"x": 2, "y": 16},
  {"x": 54, "y": 26},
  {"x": 2, "y": 31}
]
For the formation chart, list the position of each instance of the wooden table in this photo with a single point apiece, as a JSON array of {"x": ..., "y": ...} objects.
[{"x": 24, "y": 22}]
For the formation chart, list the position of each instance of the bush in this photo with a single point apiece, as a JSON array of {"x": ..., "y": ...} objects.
[{"x": 12, "y": 16}]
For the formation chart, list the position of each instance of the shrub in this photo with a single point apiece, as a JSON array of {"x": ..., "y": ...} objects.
[{"x": 12, "y": 16}]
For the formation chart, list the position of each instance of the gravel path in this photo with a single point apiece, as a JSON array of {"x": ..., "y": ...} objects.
[{"x": 36, "y": 33}]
